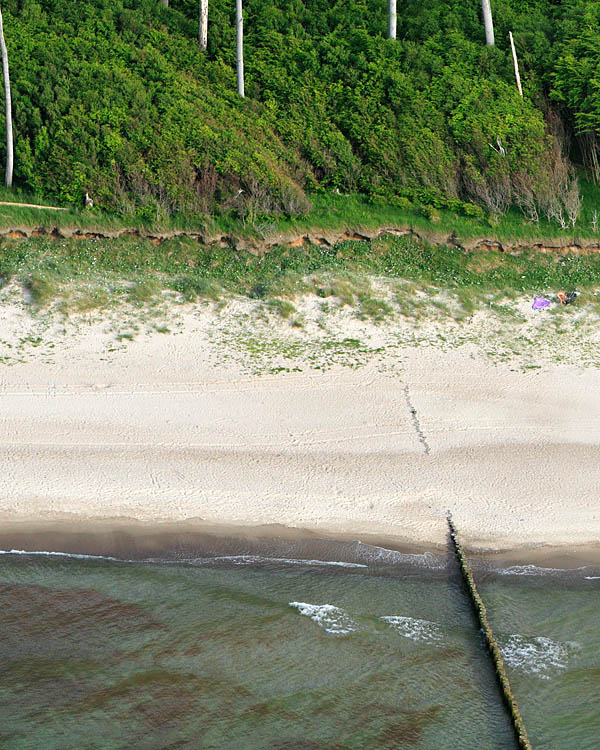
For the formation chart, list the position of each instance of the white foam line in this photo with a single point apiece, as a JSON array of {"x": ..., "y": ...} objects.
[
  {"x": 533, "y": 570},
  {"x": 232, "y": 558},
  {"x": 44, "y": 553},
  {"x": 380, "y": 554},
  {"x": 592, "y": 578},
  {"x": 290, "y": 561},
  {"x": 249, "y": 559}
]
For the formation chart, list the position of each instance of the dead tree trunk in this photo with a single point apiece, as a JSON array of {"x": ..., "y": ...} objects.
[
  {"x": 488, "y": 22},
  {"x": 515, "y": 63},
  {"x": 240, "y": 47},
  {"x": 203, "y": 24},
  {"x": 392, "y": 19},
  {"x": 8, "y": 102}
]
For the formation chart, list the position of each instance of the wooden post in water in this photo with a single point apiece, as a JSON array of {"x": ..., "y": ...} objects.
[{"x": 490, "y": 641}]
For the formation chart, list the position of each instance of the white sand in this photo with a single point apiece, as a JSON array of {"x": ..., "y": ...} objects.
[{"x": 176, "y": 426}]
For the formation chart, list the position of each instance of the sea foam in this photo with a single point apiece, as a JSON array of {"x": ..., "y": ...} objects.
[
  {"x": 74, "y": 555},
  {"x": 375, "y": 554},
  {"x": 331, "y": 619},
  {"x": 536, "y": 655},
  {"x": 421, "y": 631},
  {"x": 259, "y": 559},
  {"x": 534, "y": 570},
  {"x": 234, "y": 559}
]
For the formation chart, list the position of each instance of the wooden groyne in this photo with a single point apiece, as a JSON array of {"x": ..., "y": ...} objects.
[{"x": 490, "y": 640}]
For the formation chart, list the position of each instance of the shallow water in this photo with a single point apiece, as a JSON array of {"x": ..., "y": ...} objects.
[{"x": 245, "y": 652}]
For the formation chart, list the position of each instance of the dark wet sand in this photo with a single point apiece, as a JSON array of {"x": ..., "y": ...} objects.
[{"x": 131, "y": 540}]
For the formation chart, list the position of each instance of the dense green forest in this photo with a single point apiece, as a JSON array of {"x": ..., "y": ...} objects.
[{"x": 116, "y": 98}]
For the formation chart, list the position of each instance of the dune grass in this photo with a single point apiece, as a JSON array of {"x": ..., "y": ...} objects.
[
  {"x": 302, "y": 298},
  {"x": 84, "y": 274}
]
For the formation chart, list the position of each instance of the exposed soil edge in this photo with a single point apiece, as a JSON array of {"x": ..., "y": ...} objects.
[{"x": 327, "y": 238}]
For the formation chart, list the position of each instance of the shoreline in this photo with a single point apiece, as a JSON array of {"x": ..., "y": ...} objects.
[{"x": 128, "y": 540}]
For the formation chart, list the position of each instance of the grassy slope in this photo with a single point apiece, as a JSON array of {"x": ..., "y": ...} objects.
[
  {"x": 104, "y": 271},
  {"x": 331, "y": 212}
]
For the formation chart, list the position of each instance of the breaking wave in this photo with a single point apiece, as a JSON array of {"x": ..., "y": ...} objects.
[
  {"x": 332, "y": 619},
  {"x": 421, "y": 631},
  {"x": 374, "y": 554},
  {"x": 258, "y": 559},
  {"x": 234, "y": 559},
  {"x": 534, "y": 570},
  {"x": 536, "y": 655},
  {"x": 73, "y": 555}
]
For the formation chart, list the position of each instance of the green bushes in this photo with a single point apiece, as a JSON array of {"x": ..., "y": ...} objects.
[{"x": 115, "y": 98}]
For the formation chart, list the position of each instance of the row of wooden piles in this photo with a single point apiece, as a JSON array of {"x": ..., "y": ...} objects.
[{"x": 490, "y": 640}]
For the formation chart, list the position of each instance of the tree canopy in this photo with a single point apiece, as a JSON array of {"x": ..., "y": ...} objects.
[{"x": 115, "y": 97}]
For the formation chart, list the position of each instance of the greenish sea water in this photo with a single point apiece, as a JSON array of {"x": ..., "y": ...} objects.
[{"x": 251, "y": 652}]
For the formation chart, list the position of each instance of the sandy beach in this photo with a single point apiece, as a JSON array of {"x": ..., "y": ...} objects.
[{"x": 187, "y": 428}]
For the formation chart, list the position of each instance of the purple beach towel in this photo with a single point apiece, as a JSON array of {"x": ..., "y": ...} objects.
[{"x": 540, "y": 302}]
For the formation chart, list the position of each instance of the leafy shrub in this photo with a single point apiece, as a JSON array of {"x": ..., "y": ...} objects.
[
  {"x": 473, "y": 210},
  {"x": 114, "y": 97},
  {"x": 431, "y": 213},
  {"x": 282, "y": 307},
  {"x": 401, "y": 202}
]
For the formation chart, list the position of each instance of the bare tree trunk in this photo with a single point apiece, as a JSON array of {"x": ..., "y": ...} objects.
[
  {"x": 240, "y": 47},
  {"x": 589, "y": 150},
  {"x": 203, "y": 24},
  {"x": 515, "y": 63},
  {"x": 9, "y": 132},
  {"x": 488, "y": 22},
  {"x": 392, "y": 17}
]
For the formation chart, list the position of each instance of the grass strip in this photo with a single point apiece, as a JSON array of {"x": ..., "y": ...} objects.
[{"x": 344, "y": 271}]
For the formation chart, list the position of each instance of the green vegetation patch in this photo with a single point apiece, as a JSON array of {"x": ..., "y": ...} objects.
[
  {"x": 136, "y": 270},
  {"x": 282, "y": 307},
  {"x": 114, "y": 97}
]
